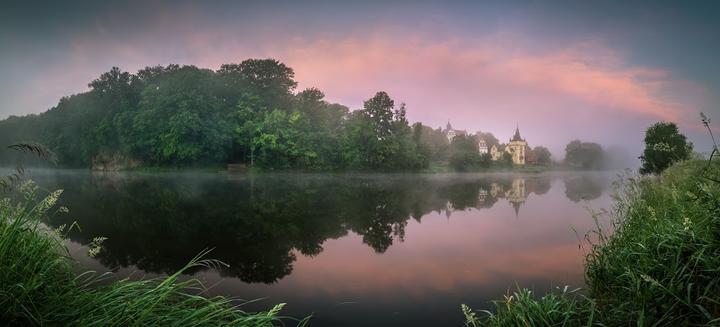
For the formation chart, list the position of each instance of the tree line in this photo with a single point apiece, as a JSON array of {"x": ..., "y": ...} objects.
[
  {"x": 241, "y": 113},
  {"x": 248, "y": 112}
]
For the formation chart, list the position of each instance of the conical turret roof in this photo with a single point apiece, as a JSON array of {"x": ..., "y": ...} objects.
[{"x": 517, "y": 137}]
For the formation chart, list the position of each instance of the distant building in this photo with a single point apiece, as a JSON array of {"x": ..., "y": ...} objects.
[
  {"x": 450, "y": 132},
  {"x": 517, "y": 148},
  {"x": 482, "y": 146},
  {"x": 496, "y": 151}
]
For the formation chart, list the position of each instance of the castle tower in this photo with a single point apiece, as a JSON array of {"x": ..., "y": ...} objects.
[{"x": 517, "y": 147}]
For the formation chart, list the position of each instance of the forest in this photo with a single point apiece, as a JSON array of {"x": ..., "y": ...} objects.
[{"x": 248, "y": 113}]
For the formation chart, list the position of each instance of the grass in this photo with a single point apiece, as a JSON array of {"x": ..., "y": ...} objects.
[
  {"x": 38, "y": 286},
  {"x": 562, "y": 307},
  {"x": 660, "y": 266}
]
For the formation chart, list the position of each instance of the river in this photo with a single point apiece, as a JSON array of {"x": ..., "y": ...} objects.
[{"x": 350, "y": 249}]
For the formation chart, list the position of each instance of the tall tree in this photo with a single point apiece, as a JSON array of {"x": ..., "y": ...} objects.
[
  {"x": 379, "y": 110},
  {"x": 664, "y": 145},
  {"x": 269, "y": 79}
]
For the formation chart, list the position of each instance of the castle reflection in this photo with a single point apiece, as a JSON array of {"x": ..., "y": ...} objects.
[{"x": 258, "y": 225}]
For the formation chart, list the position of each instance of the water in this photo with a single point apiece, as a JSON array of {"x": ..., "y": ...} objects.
[{"x": 376, "y": 249}]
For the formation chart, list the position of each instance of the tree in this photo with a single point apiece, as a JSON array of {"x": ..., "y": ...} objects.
[
  {"x": 179, "y": 120},
  {"x": 379, "y": 137},
  {"x": 586, "y": 155},
  {"x": 269, "y": 79},
  {"x": 664, "y": 145},
  {"x": 185, "y": 115},
  {"x": 436, "y": 143},
  {"x": 542, "y": 155},
  {"x": 115, "y": 82},
  {"x": 324, "y": 128},
  {"x": 379, "y": 110},
  {"x": 464, "y": 153}
]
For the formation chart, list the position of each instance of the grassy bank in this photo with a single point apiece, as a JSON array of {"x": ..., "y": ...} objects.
[
  {"x": 659, "y": 267},
  {"x": 38, "y": 286}
]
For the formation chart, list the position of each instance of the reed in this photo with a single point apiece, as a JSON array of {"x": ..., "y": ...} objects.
[
  {"x": 38, "y": 286},
  {"x": 660, "y": 265}
]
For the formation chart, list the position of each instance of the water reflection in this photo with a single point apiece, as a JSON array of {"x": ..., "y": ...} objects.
[
  {"x": 259, "y": 225},
  {"x": 584, "y": 187}
]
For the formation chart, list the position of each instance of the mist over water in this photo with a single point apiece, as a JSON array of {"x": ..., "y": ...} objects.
[{"x": 403, "y": 249}]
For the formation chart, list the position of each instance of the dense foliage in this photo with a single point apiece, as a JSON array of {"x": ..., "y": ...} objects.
[
  {"x": 248, "y": 114},
  {"x": 664, "y": 144},
  {"x": 659, "y": 267},
  {"x": 242, "y": 113},
  {"x": 464, "y": 153}
]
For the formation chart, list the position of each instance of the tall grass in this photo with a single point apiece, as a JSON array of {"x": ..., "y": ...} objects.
[
  {"x": 662, "y": 264},
  {"x": 563, "y": 307},
  {"x": 38, "y": 286},
  {"x": 659, "y": 267}
]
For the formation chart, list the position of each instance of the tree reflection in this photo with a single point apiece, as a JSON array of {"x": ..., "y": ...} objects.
[
  {"x": 259, "y": 225},
  {"x": 584, "y": 187}
]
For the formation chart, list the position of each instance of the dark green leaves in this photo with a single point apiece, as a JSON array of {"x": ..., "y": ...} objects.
[{"x": 664, "y": 145}]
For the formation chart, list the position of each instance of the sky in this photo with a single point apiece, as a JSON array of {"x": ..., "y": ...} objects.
[{"x": 600, "y": 71}]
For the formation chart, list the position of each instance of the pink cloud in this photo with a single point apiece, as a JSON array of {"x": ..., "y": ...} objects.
[{"x": 462, "y": 69}]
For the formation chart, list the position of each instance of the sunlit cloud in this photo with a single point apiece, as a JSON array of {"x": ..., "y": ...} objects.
[{"x": 479, "y": 73}]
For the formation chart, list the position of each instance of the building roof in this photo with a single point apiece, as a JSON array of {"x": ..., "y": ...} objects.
[{"x": 517, "y": 137}]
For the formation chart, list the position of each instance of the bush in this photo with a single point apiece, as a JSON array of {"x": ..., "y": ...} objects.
[{"x": 664, "y": 145}]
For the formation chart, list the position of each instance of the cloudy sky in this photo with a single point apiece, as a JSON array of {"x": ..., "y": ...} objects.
[{"x": 598, "y": 71}]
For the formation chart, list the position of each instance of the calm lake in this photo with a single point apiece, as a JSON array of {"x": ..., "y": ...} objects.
[{"x": 376, "y": 249}]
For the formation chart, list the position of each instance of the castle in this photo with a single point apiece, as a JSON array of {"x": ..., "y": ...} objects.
[{"x": 517, "y": 146}]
